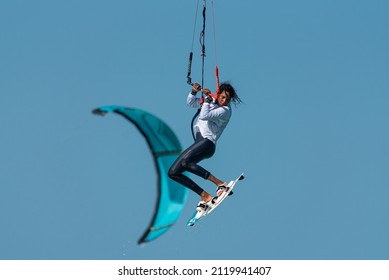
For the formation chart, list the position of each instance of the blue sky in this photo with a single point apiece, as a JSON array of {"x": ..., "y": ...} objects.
[{"x": 312, "y": 135}]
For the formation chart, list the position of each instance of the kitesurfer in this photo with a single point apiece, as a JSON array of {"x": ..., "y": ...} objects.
[{"x": 213, "y": 118}]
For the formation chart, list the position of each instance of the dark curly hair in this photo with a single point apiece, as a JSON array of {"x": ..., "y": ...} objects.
[{"x": 226, "y": 86}]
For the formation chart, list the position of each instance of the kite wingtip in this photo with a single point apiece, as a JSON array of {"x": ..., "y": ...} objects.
[
  {"x": 99, "y": 112},
  {"x": 142, "y": 242}
]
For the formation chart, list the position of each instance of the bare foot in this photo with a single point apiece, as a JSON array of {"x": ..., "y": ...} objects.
[{"x": 206, "y": 196}]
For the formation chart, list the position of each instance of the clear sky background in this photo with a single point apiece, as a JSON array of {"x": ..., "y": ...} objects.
[{"x": 312, "y": 135}]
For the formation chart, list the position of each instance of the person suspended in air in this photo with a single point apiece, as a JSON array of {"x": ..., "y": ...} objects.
[{"x": 213, "y": 118}]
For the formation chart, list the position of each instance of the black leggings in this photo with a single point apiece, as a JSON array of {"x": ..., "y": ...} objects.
[{"x": 201, "y": 149}]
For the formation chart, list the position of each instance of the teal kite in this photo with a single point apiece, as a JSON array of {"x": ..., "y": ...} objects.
[{"x": 164, "y": 147}]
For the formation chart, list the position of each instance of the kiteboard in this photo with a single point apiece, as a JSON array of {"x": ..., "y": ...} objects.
[{"x": 198, "y": 215}]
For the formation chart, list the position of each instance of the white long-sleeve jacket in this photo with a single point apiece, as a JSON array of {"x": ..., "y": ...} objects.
[{"x": 212, "y": 119}]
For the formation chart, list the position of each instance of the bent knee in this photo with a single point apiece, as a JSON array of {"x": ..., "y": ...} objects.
[
  {"x": 177, "y": 169},
  {"x": 172, "y": 173}
]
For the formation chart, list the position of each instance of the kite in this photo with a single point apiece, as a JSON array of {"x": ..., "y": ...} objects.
[{"x": 164, "y": 147}]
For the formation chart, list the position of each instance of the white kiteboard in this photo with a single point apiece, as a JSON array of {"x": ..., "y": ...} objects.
[{"x": 198, "y": 215}]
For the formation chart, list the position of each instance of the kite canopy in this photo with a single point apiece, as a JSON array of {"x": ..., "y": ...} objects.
[{"x": 165, "y": 147}]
